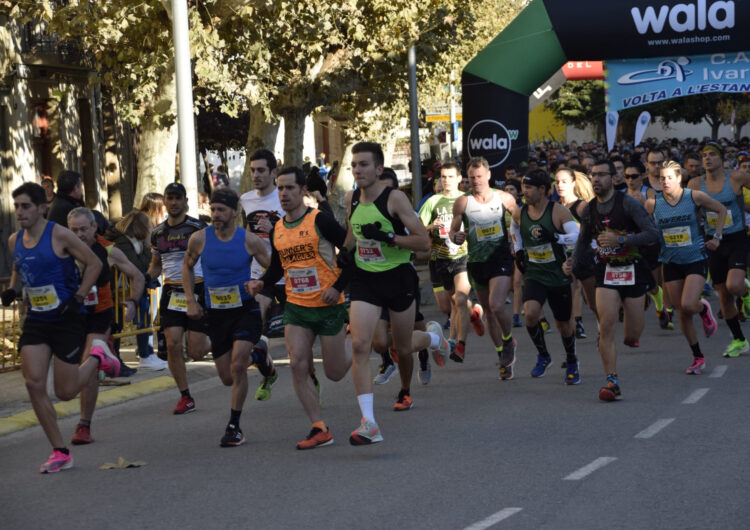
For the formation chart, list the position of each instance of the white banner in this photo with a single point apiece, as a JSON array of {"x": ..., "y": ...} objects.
[
  {"x": 611, "y": 128},
  {"x": 640, "y": 126}
]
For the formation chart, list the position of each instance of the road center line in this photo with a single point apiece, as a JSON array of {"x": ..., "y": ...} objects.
[
  {"x": 719, "y": 371},
  {"x": 695, "y": 396},
  {"x": 654, "y": 428},
  {"x": 590, "y": 468},
  {"x": 494, "y": 519}
]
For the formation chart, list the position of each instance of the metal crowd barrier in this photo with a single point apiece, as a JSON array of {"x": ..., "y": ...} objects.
[
  {"x": 122, "y": 290},
  {"x": 10, "y": 330}
]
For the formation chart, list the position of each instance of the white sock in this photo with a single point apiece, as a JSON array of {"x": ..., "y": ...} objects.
[
  {"x": 365, "y": 406},
  {"x": 435, "y": 340}
]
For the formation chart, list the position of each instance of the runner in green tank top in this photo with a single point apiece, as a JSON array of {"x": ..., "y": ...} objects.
[{"x": 540, "y": 230}]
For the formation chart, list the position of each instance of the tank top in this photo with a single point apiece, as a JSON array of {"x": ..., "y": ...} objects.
[
  {"x": 484, "y": 228},
  {"x": 735, "y": 220},
  {"x": 617, "y": 222},
  {"x": 376, "y": 256},
  {"x": 226, "y": 268},
  {"x": 308, "y": 260},
  {"x": 441, "y": 207},
  {"x": 48, "y": 280},
  {"x": 679, "y": 234},
  {"x": 545, "y": 254},
  {"x": 170, "y": 242}
]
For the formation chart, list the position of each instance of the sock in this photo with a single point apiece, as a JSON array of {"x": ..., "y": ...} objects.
[
  {"x": 186, "y": 393},
  {"x": 704, "y": 311},
  {"x": 696, "y": 350},
  {"x": 612, "y": 377},
  {"x": 537, "y": 337},
  {"x": 234, "y": 417},
  {"x": 403, "y": 392},
  {"x": 658, "y": 299},
  {"x": 424, "y": 356},
  {"x": 499, "y": 350},
  {"x": 734, "y": 327},
  {"x": 435, "y": 340},
  {"x": 63, "y": 450},
  {"x": 365, "y": 406},
  {"x": 579, "y": 319},
  {"x": 508, "y": 339},
  {"x": 85, "y": 423},
  {"x": 386, "y": 359},
  {"x": 320, "y": 425},
  {"x": 462, "y": 342},
  {"x": 569, "y": 343}
]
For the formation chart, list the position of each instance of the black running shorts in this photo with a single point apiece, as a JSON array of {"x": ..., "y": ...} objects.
[
  {"x": 442, "y": 272},
  {"x": 679, "y": 271},
  {"x": 229, "y": 325},
  {"x": 66, "y": 338},
  {"x": 392, "y": 289},
  {"x": 559, "y": 296},
  {"x": 731, "y": 254},
  {"x": 171, "y": 318}
]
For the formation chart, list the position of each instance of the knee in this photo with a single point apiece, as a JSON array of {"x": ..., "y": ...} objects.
[
  {"x": 174, "y": 347},
  {"x": 36, "y": 386},
  {"x": 298, "y": 366},
  {"x": 460, "y": 299},
  {"x": 65, "y": 394},
  {"x": 361, "y": 347},
  {"x": 238, "y": 368},
  {"x": 334, "y": 373}
]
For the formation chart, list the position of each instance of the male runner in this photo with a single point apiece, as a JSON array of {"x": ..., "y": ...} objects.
[
  {"x": 304, "y": 249},
  {"x": 100, "y": 306},
  {"x": 226, "y": 252},
  {"x": 379, "y": 217},
  {"x": 262, "y": 210},
  {"x": 168, "y": 244},
  {"x": 450, "y": 283},
  {"x": 489, "y": 262},
  {"x": 541, "y": 229},
  {"x": 726, "y": 264},
  {"x": 621, "y": 226},
  {"x": 44, "y": 265}
]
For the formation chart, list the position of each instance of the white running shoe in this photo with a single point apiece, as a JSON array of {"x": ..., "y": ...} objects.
[{"x": 152, "y": 363}]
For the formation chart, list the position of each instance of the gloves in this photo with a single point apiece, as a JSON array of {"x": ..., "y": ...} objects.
[
  {"x": 8, "y": 296},
  {"x": 521, "y": 260},
  {"x": 373, "y": 231},
  {"x": 71, "y": 306},
  {"x": 547, "y": 235},
  {"x": 345, "y": 259},
  {"x": 151, "y": 283}
]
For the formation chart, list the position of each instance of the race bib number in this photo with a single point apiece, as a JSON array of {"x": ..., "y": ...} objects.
[
  {"x": 92, "y": 298},
  {"x": 488, "y": 232},
  {"x": 303, "y": 280},
  {"x": 541, "y": 253},
  {"x": 678, "y": 236},
  {"x": 177, "y": 302},
  {"x": 43, "y": 298},
  {"x": 443, "y": 231},
  {"x": 713, "y": 217},
  {"x": 369, "y": 251},
  {"x": 624, "y": 275},
  {"x": 225, "y": 297}
]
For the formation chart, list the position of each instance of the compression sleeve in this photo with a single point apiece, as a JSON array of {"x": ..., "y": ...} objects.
[
  {"x": 583, "y": 243},
  {"x": 330, "y": 229},
  {"x": 571, "y": 233},
  {"x": 275, "y": 271},
  {"x": 515, "y": 232}
]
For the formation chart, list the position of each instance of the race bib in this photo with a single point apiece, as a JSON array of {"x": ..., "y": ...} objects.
[
  {"x": 713, "y": 217},
  {"x": 443, "y": 231},
  {"x": 303, "y": 280},
  {"x": 177, "y": 302},
  {"x": 678, "y": 236},
  {"x": 369, "y": 251},
  {"x": 43, "y": 298},
  {"x": 225, "y": 297},
  {"x": 92, "y": 298},
  {"x": 487, "y": 232},
  {"x": 541, "y": 253},
  {"x": 623, "y": 275}
]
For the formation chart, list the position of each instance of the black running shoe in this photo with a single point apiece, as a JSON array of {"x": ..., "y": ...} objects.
[{"x": 232, "y": 436}]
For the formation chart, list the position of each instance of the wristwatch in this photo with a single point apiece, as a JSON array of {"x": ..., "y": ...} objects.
[
  {"x": 620, "y": 240},
  {"x": 718, "y": 236}
]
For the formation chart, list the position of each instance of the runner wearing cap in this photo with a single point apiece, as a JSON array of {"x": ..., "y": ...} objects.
[
  {"x": 727, "y": 264},
  {"x": 225, "y": 252}
]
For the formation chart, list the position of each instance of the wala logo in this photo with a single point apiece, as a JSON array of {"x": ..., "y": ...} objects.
[
  {"x": 685, "y": 17},
  {"x": 490, "y": 139}
]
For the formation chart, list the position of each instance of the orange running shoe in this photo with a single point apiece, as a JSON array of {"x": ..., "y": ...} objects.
[{"x": 477, "y": 313}]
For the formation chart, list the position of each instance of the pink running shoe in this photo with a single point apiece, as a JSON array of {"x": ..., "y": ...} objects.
[
  {"x": 708, "y": 320},
  {"x": 57, "y": 462},
  {"x": 107, "y": 362},
  {"x": 696, "y": 368}
]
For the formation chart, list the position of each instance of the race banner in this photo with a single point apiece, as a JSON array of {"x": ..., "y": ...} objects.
[
  {"x": 631, "y": 83},
  {"x": 611, "y": 128}
]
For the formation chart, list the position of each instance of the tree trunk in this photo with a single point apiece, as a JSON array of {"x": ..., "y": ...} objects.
[
  {"x": 344, "y": 183},
  {"x": 294, "y": 136},
  {"x": 207, "y": 177},
  {"x": 738, "y": 125},
  {"x": 262, "y": 134},
  {"x": 715, "y": 124},
  {"x": 111, "y": 161},
  {"x": 156, "y": 160}
]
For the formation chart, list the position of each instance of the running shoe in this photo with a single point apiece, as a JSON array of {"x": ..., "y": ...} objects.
[
  {"x": 264, "y": 390},
  {"x": 82, "y": 435},
  {"x": 316, "y": 438},
  {"x": 425, "y": 371},
  {"x": 152, "y": 363},
  {"x": 108, "y": 363},
  {"x": 57, "y": 462},
  {"x": 517, "y": 321},
  {"x": 232, "y": 436},
  {"x": 403, "y": 403},
  {"x": 631, "y": 343},
  {"x": 447, "y": 324},
  {"x": 542, "y": 362},
  {"x": 580, "y": 332},
  {"x": 477, "y": 314},
  {"x": 385, "y": 374},
  {"x": 367, "y": 433},
  {"x": 459, "y": 352},
  {"x": 708, "y": 320},
  {"x": 507, "y": 360},
  {"x": 699, "y": 363},
  {"x": 440, "y": 354},
  {"x": 670, "y": 314},
  {"x": 611, "y": 391},
  {"x": 262, "y": 360},
  {"x": 736, "y": 347},
  {"x": 746, "y": 300},
  {"x": 545, "y": 325},
  {"x": 184, "y": 405},
  {"x": 572, "y": 375}
]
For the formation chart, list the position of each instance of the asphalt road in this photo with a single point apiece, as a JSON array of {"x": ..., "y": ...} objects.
[{"x": 474, "y": 452}]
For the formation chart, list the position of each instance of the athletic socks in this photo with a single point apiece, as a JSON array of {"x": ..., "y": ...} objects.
[
  {"x": 320, "y": 425},
  {"x": 424, "y": 357},
  {"x": 365, "y": 406},
  {"x": 403, "y": 392},
  {"x": 186, "y": 393},
  {"x": 569, "y": 343},
  {"x": 63, "y": 450},
  {"x": 696, "y": 350},
  {"x": 85, "y": 423},
  {"x": 234, "y": 417},
  {"x": 658, "y": 299},
  {"x": 537, "y": 337},
  {"x": 434, "y": 340},
  {"x": 734, "y": 327}
]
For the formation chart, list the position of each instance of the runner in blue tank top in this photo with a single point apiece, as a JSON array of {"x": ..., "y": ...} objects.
[
  {"x": 226, "y": 252},
  {"x": 683, "y": 253},
  {"x": 44, "y": 256},
  {"x": 728, "y": 262}
]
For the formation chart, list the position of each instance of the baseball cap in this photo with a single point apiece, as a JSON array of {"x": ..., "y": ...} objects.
[
  {"x": 175, "y": 188},
  {"x": 537, "y": 178}
]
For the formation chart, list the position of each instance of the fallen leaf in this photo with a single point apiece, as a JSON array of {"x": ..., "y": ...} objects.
[{"x": 121, "y": 464}]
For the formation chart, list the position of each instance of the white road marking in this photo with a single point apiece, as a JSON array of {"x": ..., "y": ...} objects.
[
  {"x": 719, "y": 371},
  {"x": 654, "y": 428},
  {"x": 494, "y": 519},
  {"x": 590, "y": 468},
  {"x": 695, "y": 396}
]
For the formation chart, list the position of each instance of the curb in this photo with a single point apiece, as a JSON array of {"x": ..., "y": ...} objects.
[{"x": 26, "y": 419}]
